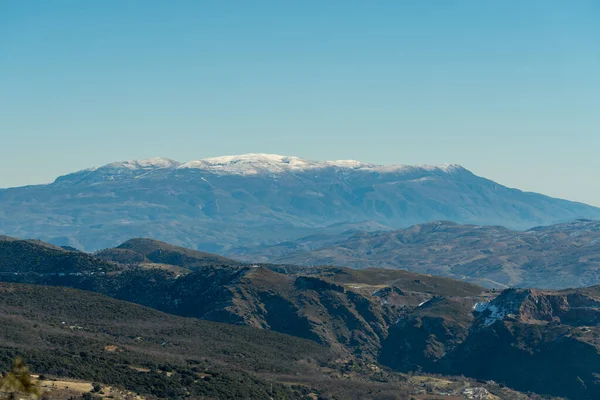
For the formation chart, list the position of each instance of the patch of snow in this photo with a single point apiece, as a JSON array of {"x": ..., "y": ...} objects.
[
  {"x": 253, "y": 164},
  {"x": 426, "y": 301},
  {"x": 205, "y": 180},
  {"x": 423, "y": 179},
  {"x": 149, "y": 163},
  {"x": 496, "y": 313},
  {"x": 144, "y": 174},
  {"x": 132, "y": 165},
  {"x": 345, "y": 163},
  {"x": 261, "y": 163}
]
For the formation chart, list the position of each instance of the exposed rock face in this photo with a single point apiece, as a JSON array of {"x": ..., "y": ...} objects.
[
  {"x": 547, "y": 342},
  {"x": 527, "y": 305},
  {"x": 426, "y": 334}
]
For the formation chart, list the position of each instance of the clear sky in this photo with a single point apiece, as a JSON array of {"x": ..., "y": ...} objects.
[{"x": 508, "y": 89}]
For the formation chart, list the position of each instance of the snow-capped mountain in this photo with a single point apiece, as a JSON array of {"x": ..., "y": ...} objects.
[
  {"x": 218, "y": 203},
  {"x": 252, "y": 164},
  {"x": 256, "y": 164}
]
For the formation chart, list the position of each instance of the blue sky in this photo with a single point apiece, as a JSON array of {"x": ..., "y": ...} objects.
[{"x": 509, "y": 89}]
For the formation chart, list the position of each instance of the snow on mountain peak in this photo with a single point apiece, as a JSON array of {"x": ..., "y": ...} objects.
[
  {"x": 253, "y": 164},
  {"x": 119, "y": 167},
  {"x": 149, "y": 163},
  {"x": 257, "y": 164}
]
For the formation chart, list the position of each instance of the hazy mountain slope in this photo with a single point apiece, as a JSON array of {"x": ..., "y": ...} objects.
[
  {"x": 556, "y": 256},
  {"x": 243, "y": 201}
]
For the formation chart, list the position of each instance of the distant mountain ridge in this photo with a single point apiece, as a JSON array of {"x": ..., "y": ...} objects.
[
  {"x": 222, "y": 203},
  {"x": 556, "y": 256},
  {"x": 253, "y": 164}
]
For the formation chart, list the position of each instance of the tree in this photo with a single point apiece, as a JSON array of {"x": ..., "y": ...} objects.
[{"x": 17, "y": 383}]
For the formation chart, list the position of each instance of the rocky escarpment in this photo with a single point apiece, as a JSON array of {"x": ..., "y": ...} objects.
[
  {"x": 543, "y": 341},
  {"x": 571, "y": 307},
  {"x": 426, "y": 336}
]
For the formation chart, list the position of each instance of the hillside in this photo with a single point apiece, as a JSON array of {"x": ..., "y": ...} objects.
[
  {"x": 22, "y": 256},
  {"x": 331, "y": 306},
  {"x": 143, "y": 250},
  {"x": 403, "y": 320},
  {"x": 250, "y": 200},
  {"x": 310, "y": 308},
  {"x": 68, "y": 333},
  {"x": 74, "y": 338},
  {"x": 556, "y": 256}
]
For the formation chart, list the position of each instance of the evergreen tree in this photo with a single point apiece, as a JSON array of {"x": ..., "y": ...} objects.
[{"x": 17, "y": 383}]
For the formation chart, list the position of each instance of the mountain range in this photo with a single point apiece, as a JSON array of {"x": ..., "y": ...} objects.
[
  {"x": 381, "y": 329},
  {"x": 334, "y": 280},
  {"x": 556, "y": 256},
  {"x": 238, "y": 202}
]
